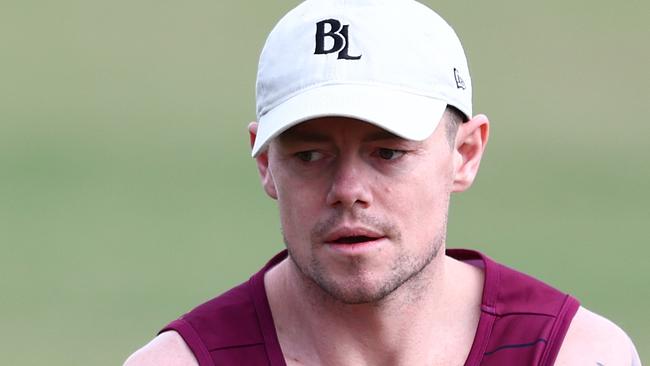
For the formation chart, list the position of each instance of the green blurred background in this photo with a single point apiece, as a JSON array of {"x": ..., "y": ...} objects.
[{"x": 127, "y": 194}]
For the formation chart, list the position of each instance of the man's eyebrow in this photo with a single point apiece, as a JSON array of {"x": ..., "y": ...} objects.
[
  {"x": 381, "y": 135},
  {"x": 310, "y": 136},
  {"x": 303, "y": 136}
]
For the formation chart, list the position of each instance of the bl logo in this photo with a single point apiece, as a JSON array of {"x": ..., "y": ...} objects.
[{"x": 339, "y": 34}]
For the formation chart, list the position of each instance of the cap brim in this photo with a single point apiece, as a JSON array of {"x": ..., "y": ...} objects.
[{"x": 410, "y": 116}]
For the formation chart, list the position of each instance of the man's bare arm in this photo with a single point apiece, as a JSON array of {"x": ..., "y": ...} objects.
[
  {"x": 594, "y": 340},
  {"x": 167, "y": 349}
]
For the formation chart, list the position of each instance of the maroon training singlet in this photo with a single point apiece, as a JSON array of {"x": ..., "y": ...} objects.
[{"x": 523, "y": 321}]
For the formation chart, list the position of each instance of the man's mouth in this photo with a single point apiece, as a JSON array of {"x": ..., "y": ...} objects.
[{"x": 354, "y": 239}]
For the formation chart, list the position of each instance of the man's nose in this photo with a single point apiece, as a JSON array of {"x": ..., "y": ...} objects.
[{"x": 351, "y": 184}]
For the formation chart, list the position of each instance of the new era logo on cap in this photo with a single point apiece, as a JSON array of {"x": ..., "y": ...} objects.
[
  {"x": 460, "y": 83},
  {"x": 338, "y": 33}
]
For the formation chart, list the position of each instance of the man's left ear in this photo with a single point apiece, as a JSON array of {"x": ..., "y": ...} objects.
[{"x": 471, "y": 139}]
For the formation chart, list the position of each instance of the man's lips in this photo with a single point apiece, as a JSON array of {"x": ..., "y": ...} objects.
[
  {"x": 352, "y": 236},
  {"x": 353, "y": 239}
]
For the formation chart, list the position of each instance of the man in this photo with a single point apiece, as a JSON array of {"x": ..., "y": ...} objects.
[{"x": 365, "y": 129}]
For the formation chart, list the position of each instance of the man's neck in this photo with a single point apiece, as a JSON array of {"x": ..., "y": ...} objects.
[{"x": 431, "y": 319}]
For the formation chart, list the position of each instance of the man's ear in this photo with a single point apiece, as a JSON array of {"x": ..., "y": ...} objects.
[
  {"x": 471, "y": 139},
  {"x": 262, "y": 160}
]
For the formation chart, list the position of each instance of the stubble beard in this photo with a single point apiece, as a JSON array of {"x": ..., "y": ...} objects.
[{"x": 405, "y": 269}]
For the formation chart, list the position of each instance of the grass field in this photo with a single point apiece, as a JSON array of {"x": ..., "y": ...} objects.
[{"x": 127, "y": 194}]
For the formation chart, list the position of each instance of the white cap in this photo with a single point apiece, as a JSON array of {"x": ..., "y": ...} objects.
[{"x": 393, "y": 63}]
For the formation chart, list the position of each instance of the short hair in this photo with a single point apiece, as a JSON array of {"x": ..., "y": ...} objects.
[{"x": 453, "y": 117}]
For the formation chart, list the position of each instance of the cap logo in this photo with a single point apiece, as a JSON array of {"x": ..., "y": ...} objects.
[
  {"x": 460, "y": 83},
  {"x": 339, "y": 35}
]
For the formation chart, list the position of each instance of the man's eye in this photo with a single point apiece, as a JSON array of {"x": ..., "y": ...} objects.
[
  {"x": 389, "y": 154},
  {"x": 308, "y": 156}
]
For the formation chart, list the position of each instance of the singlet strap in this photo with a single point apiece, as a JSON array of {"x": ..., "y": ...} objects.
[
  {"x": 263, "y": 311},
  {"x": 513, "y": 301},
  {"x": 488, "y": 315},
  {"x": 560, "y": 328}
]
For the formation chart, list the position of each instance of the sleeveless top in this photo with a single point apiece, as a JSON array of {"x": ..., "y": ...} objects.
[{"x": 523, "y": 321}]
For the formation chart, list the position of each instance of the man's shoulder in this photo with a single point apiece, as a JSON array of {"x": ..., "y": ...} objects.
[
  {"x": 167, "y": 349},
  {"x": 231, "y": 319},
  {"x": 596, "y": 339},
  {"x": 225, "y": 321}
]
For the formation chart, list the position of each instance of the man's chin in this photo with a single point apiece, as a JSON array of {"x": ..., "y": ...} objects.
[{"x": 355, "y": 289}]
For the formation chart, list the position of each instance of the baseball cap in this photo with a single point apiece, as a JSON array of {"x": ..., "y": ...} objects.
[{"x": 393, "y": 63}]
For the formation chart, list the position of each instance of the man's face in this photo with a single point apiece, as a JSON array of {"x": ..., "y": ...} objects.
[{"x": 362, "y": 210}]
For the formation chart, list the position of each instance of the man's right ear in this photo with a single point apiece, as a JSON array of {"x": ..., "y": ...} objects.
[{"x": 262, "y": 160}]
